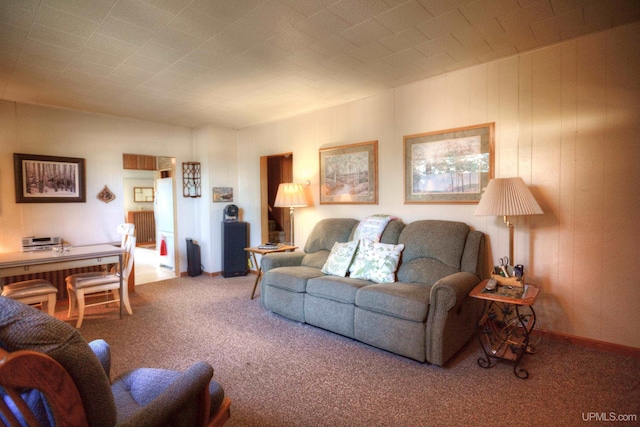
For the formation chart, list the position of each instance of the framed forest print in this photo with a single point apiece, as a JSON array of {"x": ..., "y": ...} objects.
[
  {"x": 448, "y": 166},
  {"x": 349, "y": 174},
  {"x": 49, "y": 179}
]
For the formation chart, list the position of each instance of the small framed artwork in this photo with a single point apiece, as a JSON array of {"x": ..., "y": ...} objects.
[
  {"x": 448, "y": 166},
  {"x": 349, "y": 174},
  {"x": 143, "y": 194},
  {"x": 49, "y": 179},
  {"x": 222, "y": 194}
]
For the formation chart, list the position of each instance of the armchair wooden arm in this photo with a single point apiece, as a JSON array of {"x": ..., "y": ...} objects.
[{"x": 32, "y": 370}]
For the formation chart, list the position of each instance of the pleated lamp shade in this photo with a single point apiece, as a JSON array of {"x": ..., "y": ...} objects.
[
  {"x": 507, "y": 197},
  {"x": 290, "y": 195}
]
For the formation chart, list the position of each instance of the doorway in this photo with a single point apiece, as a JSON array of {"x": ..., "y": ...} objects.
[
  {"x": 274, "y": 222},
  {"x": 156, "y": 229}
]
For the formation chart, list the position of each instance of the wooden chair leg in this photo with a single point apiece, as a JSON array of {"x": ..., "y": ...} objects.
[
  {"x": 51, "y": 304},
  {"x": 72, "y": 300},
  {"x": 80, "y": 300}
]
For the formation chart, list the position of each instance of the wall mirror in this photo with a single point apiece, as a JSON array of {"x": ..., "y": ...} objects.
[{"x": 143, "y": 194}]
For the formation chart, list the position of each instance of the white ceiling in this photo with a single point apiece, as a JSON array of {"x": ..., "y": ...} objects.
[{"x": 236, "y": 63}]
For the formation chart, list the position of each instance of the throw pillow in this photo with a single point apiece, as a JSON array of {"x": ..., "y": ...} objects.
[
  {"x": 377, "y": 262},
  {"x": 340, "y": 258}
]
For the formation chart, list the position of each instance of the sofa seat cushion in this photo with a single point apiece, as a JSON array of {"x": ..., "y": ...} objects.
[
  {"x": 408, "y": 301},
  {"x": 292, "y": 279},
  {"x": 336, "y": 288}
]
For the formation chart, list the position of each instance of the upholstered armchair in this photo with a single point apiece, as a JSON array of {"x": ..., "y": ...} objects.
[{"x": 68, "y": 377}]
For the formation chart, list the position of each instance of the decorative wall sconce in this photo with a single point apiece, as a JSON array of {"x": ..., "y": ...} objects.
[{"x": 191, "y": 185}]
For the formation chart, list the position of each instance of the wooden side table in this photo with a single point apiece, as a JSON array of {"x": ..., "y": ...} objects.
[
  {"x": 255, "y": 250},
  {"x": 503, "y": 334}
]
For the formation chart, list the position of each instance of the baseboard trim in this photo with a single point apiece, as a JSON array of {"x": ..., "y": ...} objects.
[{"x": 591, "y": 343}]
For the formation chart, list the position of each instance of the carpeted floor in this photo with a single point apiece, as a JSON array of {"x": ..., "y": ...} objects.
[{"x": 282, "y": 373}]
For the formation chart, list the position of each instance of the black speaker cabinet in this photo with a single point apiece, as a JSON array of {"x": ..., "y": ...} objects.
[{"x": 235, "y": 237}]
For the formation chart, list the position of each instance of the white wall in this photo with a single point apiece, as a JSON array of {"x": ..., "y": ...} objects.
[
  {"x": 217, "y": 149},
  {"x": 566, "y": 121},
  {"x": 101, "y": 141}
]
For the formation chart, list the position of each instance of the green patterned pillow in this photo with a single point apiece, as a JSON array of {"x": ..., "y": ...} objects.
[
  {"x": 340, "y": 258},
  {"x": 377, "y": 262}
]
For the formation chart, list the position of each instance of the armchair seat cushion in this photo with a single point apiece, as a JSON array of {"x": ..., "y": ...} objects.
[
  {"x": 408, "y": 301},
  {"x": 138, "y": 392}
]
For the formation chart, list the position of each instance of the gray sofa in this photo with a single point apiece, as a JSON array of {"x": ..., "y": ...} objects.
[{"x": 425, "y": 315}]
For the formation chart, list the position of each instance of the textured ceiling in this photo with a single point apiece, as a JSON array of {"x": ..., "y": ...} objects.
[{"x": 236, "y": 63}]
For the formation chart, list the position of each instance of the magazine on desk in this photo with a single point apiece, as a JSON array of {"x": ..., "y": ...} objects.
[
  {"x": 270, "y": 245},
  {"x": 509, "y": 291}
]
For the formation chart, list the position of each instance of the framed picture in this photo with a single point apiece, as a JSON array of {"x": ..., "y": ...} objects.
[
  {"x": 448, "y": 166},
  {"x": 222, "y": 194},
  {"x": 49, "y": 179},
  {"x": 143, "y": 194},
  {"x": 349, "y": 174}
]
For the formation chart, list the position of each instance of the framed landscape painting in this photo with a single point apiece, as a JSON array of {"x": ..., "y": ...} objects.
[
  {"x": 349, "y": 174},
  {"x": 49, "y": 179},
  {"x": 448, "y": 166}
]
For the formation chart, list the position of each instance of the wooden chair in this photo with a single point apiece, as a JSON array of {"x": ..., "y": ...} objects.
[
  {"x": 49, "y": 375},
  {"x": 36, "y": 291},
  {"x": 83, "y": 284}
]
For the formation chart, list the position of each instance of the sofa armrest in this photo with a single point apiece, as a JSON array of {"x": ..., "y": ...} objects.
[
  {"x": 281, "y": 259},
  {"x": 453, "y": 316}
]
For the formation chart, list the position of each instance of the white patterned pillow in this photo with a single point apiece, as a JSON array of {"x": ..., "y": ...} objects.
[
  {"x": 377, "y": 262},
  {"x": 340, "y": 258}
]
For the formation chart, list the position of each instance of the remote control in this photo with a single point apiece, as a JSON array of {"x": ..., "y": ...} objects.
[{"x": 491, "y": 284}]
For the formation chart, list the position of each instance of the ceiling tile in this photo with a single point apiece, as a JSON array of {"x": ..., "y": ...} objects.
[
  {"x": 56, "y": 37},
  {"x": 440, "y": 7},
  {"x": 94, "y": 10},
  {"x": 366, "y": 32},
  {"x": 404, "y": 39},
  {"x": 323, "y": 24},
  {"x": 484, "y": 10},
  {"x": 513, "y": 20},
  {"x": 140, "y": 14},
  {"x": 357, "y": 11},
  {"x": 18, "y": 13},
  {"x": 65, "y": 22},
  {"x": 124, "y": 31},
  {"x": 197, "y": 24},
  {"x": 443, "y": 25},
  {"x": 404, "y": 16},
  {"x": 175, "y": 39}
]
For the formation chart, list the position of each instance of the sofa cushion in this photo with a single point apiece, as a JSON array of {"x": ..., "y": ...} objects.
[
  {"x": 292, "y": 279},
  {"x": 408, "y": 301},
  {"x": 424, "y": 270},
  {"x": 325, "y": 233},
  {"x": 341, "y": 289},
  {"x": 340, "y": 258},
  {"x": 441, "y": 240},
  {"x": 377, "y": 262}
]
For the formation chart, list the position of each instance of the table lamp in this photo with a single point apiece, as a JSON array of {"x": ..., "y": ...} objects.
[
  {"x": 290, "y": 196},
  {"x": 508, "y": 197}
]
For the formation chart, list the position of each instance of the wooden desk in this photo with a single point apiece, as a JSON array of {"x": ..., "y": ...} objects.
[
  {"x": 17, "y": 263},
  {"x": 257, "y": 251}
]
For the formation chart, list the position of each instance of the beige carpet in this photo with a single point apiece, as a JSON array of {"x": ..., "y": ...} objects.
[{"x": 282, "y": 373}]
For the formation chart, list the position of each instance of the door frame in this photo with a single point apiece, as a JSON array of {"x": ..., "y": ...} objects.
[{"x": 264, "y": 191}]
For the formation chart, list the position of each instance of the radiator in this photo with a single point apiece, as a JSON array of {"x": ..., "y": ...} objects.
[
  {"x": 145, "y": 226},
  {"x": 57, "y": 278}
]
